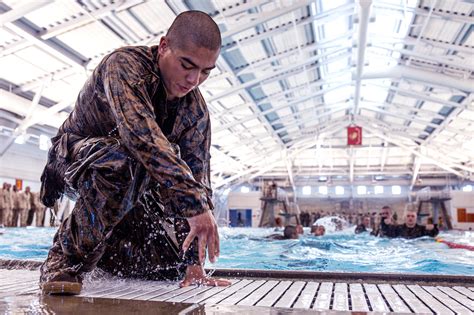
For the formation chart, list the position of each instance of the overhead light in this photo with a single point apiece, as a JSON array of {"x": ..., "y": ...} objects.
[
  {"x": 21, "y": 139},
  {"x": 244, "y": 189},
  {"x": 323, "y": 178}
]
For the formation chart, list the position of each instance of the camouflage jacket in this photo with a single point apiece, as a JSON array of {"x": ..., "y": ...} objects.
[{"x": 125, "y": 97}]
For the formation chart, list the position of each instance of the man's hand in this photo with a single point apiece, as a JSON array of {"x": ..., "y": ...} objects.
[
  {"x": 195, "y": 274},
  {"x": 203, "y": 227},
  {"x": 429, "y": 227}
]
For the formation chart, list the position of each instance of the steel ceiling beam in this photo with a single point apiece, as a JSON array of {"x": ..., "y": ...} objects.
[
  {"x": 364, "y": 17},
  {"x": 404, "y": 72},
  {"x": 415, "y": 152}
]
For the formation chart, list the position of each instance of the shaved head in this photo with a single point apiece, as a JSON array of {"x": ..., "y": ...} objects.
[{"x": 194, "y": 27}]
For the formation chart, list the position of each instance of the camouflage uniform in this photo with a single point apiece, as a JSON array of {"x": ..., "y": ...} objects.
[
  {"x": 40, "y": 209},
  {"x": 20, "y": 204},
  {"x": 3, "y": 207},
  {"x": 138, "y": 165}
]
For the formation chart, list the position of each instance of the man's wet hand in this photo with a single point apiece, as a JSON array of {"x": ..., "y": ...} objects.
[
  {"x": 204, "y": 227},
  {"x": 195, "y": 274}
]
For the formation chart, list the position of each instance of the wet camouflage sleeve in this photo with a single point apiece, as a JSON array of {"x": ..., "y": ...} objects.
[{"x": 130, "y": 101}]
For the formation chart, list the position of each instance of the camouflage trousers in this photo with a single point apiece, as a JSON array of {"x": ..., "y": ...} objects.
[{"x": 118, "y": 223}]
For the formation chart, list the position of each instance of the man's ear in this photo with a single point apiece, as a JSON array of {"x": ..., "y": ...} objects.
[{"x": 164, "y": 45}]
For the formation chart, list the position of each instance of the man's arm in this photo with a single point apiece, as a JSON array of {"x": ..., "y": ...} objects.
[
  {"x": 431, "y": 230},
  {"x": 126, "y": 92}
]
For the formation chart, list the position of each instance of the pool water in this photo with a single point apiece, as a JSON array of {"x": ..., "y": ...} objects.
[{"x": 246, "y": 248}]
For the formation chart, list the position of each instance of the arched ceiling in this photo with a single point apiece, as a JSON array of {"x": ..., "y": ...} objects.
[{"x": 291, "y": 77}]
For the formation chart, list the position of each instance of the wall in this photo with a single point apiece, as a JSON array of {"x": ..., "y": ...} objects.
[
  {"x": 23, "y": 161},
  {"x": 462, "y": 200},
  {"x": 250, "y": 200},
  {"x": 360, "y": 205}
]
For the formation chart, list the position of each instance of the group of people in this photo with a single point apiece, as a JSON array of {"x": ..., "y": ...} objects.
[
  {"x": 18, "y": 208},
  {"x": 388, "y": 228}
]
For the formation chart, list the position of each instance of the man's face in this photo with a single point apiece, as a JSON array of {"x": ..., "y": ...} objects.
[
  {"x": 366, "y": 221},
  {"x": 386, "y": 213},
  {"x": 319, "y": 230},
  {"x": 410, "y": 219},
  {"x": 183, "y": 69}
]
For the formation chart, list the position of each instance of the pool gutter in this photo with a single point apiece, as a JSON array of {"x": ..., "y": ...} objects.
[{"x": 361, "y": 277}]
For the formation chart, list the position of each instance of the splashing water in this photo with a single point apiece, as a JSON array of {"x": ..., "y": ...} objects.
[{"x": 247, "y": 248}]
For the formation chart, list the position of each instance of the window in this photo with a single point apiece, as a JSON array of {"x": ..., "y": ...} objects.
[
  {"x": 467, "y": 188},
  {"x": 323, "y": 190},
  {"x": 339, "y": 190},
  {"x": 244, "y": 189},
  {"x": 306, "y": 190},
  {"x": 396, "y": 190},
  {"x": 361, "y": 190},
  {"x": 378, "y": 190}
]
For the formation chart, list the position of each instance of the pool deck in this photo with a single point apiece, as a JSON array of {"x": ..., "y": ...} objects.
[{"x": 257, "y": 291}]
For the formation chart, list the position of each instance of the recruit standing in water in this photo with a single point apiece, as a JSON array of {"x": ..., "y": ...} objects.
[{"x": 135, "y": 153}]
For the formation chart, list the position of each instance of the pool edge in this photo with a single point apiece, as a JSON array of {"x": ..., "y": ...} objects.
[{"x": 297, "y": 274}]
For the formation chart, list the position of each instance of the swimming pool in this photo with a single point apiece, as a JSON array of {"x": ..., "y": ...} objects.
[{"x": 245, "y": 248}]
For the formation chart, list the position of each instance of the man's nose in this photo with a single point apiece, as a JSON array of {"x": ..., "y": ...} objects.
[{"x": 193, "y": 78}]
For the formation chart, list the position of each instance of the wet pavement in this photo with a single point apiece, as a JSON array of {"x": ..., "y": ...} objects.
[{"x": 49, "y": 304}]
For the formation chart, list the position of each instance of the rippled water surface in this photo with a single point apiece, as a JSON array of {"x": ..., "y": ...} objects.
[{"x": 337, "y": 251}]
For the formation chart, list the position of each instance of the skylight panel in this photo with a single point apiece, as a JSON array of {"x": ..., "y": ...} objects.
[{"x": 336, "y": 27}]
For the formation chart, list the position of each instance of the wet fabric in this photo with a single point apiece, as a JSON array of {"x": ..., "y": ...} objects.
[
  {"x": 385, "y": 230},
  {"x": 412, "y": 232},
  {"x": 138, "y": 166},
  {"x": 360, "y": 229},
  {"x": 122, "y": 98}
]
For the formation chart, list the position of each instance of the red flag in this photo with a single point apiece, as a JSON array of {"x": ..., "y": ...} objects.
[
  {"x": 354, "y": 135},
  {"x": 19, "y": 184}
]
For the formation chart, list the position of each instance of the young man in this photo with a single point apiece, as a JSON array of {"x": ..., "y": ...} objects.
[
  {"x": 385, "y": 223},
  {"x": 413, "y": 230},
  {"x": 135, "y": 153},
  {"x": 364, "y": 226}
]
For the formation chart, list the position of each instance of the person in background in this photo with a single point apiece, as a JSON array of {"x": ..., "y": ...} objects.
[
  {"x": 3, "y": 206},
  {"x": 410, "y": 229},
  {"x": 18, "y": 206},
  {"x": 31, "y": 205},
  {"x": 318, "y": 230},
  {"x": 384, "y": 228},
  {"x": 364, "y": 226},
  {"x": 40, "y": 209},
  {"x": 289, "y": 233},
  {"x": 8, "y": 197},
  {"x": 278, "y": 223}
]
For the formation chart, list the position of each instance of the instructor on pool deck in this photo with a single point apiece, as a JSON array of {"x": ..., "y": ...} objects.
[{"x": 135, "y": 154}]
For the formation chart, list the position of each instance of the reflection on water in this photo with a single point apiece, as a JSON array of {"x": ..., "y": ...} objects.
[
  {"x": 246, "y": 248},
  {"x": 38, "y": 304}
]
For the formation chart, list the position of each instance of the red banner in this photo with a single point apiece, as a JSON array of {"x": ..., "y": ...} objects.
[
  {"x": 19, "y": 184},
  {"x": 354, "y": 135}
]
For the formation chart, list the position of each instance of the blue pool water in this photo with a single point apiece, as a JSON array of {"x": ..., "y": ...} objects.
[{"x": 246, "y": 248}]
